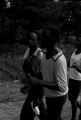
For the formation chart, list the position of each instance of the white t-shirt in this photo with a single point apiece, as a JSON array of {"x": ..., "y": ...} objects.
[
  {"x": 75, "y": 60},
  {"x": 55, "y": 71}
]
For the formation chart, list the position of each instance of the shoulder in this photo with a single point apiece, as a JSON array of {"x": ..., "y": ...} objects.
[
  {"x": 60, "y": 59},
  {"x": 58, "y": 55}
]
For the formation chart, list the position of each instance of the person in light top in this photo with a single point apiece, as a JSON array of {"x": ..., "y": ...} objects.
[
  {"x": 54, "y": 71},
  {"x": 75, "y": 79}
]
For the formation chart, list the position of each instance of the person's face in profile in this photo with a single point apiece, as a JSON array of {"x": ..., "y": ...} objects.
[{"x": 33, "y": 39}]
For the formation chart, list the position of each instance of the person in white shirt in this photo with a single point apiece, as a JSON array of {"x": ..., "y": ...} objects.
[
  {"x": 54, "y": 70},
  {"x": 75, "y": 80}
]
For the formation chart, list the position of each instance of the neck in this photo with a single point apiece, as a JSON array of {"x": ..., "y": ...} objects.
[{"x": 51, "y": 52}]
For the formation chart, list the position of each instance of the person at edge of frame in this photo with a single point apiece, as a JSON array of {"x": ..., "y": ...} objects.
[{"x": 74, "y": 93}]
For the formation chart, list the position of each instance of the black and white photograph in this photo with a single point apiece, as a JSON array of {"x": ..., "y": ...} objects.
[{"x": 40, "y": 60}]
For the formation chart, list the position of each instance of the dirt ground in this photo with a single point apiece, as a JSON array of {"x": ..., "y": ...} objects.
[{"x": 11, "y": 102}]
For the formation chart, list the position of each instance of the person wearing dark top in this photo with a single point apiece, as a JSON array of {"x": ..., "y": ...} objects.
[{"x": 33, "y": 104}]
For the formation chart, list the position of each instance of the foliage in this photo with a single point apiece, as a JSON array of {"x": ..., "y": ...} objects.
[
  {"x": 71, "y": 17},
  {"x": 24, "y": 15}
]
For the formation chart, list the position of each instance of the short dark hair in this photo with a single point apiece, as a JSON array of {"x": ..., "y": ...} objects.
[
  {"x": 51, "y": 35},
  {"x": 38, "y": 33},
  {"x": 78, "y": 45}
]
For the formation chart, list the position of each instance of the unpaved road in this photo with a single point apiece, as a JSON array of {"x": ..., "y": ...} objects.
[{"x": 11, "y": 102}]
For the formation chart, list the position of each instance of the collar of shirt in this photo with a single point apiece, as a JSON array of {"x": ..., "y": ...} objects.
[{"x": 55, "y": 57}]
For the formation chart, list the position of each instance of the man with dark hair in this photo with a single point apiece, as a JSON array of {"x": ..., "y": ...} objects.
[
  {"x": 54, "y": 71},
  {"x": 31, "y": 67}
]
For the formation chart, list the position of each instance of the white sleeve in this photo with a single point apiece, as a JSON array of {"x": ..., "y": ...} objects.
[
  {"x": 26, "y": 53},
  {"x": 61, "y": 73}
]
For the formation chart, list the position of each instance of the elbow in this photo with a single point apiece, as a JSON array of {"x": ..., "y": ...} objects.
[{"x": 62, "y": 87}]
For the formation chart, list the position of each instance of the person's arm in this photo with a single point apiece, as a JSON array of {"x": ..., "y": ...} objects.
[
  {"x": 50, "y": 85},
  {"x": 79, "y": 97},
  {"x": 26, "y": 54},
  {"x": 77, "y": 68},
  {"x": 61, "y": 73}
]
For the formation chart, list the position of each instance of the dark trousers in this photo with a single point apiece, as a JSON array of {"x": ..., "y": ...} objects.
[
  {"x": 27, "y": 112},
  {"x": 54, "y": 107},
  {"x": 74, "y": 89},
  {"x": 35, "y": 93}
]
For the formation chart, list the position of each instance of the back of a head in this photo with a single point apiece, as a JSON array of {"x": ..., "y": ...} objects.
[
  {"x": 51, "y": 35},
  {"x": 78, "y": 45}
]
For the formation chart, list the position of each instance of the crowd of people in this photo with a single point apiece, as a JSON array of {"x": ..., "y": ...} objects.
[{"x": 46, "y": 83}]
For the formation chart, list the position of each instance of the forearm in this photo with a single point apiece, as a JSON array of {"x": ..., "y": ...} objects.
[
  {"x": 49, "y": 85},
  {"x": 79, "y": 70}
]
